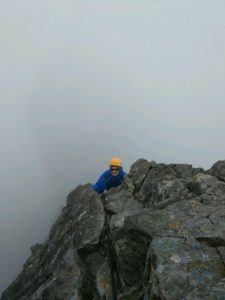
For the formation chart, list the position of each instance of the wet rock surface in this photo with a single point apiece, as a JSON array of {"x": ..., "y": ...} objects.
[{"x": 168, "y": 231}]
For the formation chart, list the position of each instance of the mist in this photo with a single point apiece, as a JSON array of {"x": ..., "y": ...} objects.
[{"x": 83, "y": 82}]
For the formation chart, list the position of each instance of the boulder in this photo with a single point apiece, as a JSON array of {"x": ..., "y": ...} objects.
[{"x": 218, "y": 170}]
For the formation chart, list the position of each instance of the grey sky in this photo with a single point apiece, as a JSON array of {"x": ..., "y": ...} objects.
[{"x": 82, "y": 82}]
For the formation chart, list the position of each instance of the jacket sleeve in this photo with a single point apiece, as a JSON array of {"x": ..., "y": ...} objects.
[{"x": 100, "y": 185}]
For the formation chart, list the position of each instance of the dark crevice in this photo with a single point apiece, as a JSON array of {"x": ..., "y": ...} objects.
[
  {"x": 211, "y": 241},
  {"x": 169, "y": 236}
]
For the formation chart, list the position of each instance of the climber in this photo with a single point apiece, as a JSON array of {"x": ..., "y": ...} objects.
[{"x": 110, "y": 178}]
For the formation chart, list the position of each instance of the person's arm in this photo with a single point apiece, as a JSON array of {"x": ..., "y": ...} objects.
[{"x": 100, "y": 185}]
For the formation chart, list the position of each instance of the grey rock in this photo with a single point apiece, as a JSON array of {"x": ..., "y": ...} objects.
[
  {"x": 218, "y": 170},
  {"x": 182, "y": 170},
  {"x": 215, "y": 292},
  {"x": 121, "y": 203},
  {"x": 55, "y": 270},
  {"x": 167, "y": 233},
  {"x": 187, "y": 263},
  {"x": 209, "y": 188},
  {"x": 159, "y": 183},
  {"x": 68, "y": 281},
  {"x": 139, "y": 171}
]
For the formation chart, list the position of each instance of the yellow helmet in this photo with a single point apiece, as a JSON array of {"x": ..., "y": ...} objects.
[{"x": 115, "y": 161}]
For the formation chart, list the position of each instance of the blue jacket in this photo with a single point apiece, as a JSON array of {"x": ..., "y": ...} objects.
[{"x": 106, "y": 181}]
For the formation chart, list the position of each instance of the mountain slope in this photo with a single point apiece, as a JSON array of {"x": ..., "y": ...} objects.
[{"x": 168, "y": 230}]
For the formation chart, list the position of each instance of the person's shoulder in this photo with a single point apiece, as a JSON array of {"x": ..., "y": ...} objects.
[{"x": 106, "y": 173}]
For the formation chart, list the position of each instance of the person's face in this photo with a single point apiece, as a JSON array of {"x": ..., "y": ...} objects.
[{"x": 114, "y": 170}]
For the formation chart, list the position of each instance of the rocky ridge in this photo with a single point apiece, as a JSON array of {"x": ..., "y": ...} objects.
[{"x": 168, "y": 228}]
